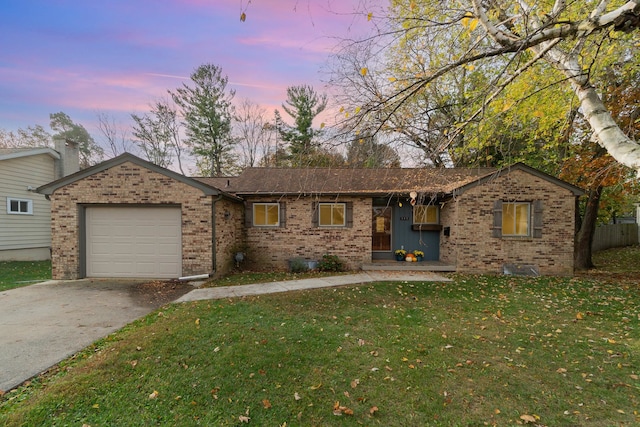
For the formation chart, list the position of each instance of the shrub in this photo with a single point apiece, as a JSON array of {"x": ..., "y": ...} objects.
[
  {"x": 298, "y": 265},
  {"x": 330, "y": 263}
]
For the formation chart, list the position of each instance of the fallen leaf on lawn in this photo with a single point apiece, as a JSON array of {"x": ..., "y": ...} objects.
[
  {"x": 315, "y": 387},
  {"x": 197, "y": 321},
  {"x": 528, "y": 418},
  {"x": 373, "y": 410},
  {"x": 634, "y": 377},
  {"x": 579, "y": 316},
  {"x": 355, "y": 383},
  {"x": 361, "y": 342},
  {"x": 154, "y": 394},
  {"x": 243, "y": 419},
  {"x": 96, "y": 406},
  {"x": 266, "y": 403},
  {"x": 561, "y": 370},
  {"x": 296, "y": 396}
]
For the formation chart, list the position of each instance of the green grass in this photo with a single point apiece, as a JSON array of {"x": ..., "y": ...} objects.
[
  {"x": 618, "y": 260},
  {"x": 480, "y": 350},
  {"x": 14, "y": 274}
]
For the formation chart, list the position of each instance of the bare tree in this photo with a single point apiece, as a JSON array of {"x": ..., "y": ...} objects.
[
  {"x": 157, "y": 133},
  {"x": 253, "y": 132},
  {"x": 115, "y": 135}
]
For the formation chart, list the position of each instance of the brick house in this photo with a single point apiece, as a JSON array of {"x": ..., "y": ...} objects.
[{"x": 127, "y": 217}]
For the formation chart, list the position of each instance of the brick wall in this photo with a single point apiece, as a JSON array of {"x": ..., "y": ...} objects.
[
  {"x": 229, "y": 234},
  {"x": 472, "y": 245},
  {"x": 127, "y": 184},
  {"x": 271, "y": 248}
]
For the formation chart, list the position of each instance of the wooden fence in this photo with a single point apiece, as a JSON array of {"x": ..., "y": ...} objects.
[{"x": 615, "y": 235}]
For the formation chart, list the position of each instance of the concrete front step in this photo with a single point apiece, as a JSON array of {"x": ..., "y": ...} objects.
[{"x": 408, "y": 266}]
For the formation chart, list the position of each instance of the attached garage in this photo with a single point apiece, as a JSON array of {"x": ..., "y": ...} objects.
[
  {"x": 126, "y": 217},
  {"x": 133, "y": 242}
]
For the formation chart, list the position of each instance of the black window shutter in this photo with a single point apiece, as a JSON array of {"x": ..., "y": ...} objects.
[
  {"x": 248, "y": 214},
  {"x": 497, "y": 218},
  {"x": 283, "y": 215},
  {"x": 537, "y": 219},
  {"x": 314, "y": 213},
  {"x": 349, "y": 214}
]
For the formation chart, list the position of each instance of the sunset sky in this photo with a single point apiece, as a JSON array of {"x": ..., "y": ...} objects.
[{"x": 118, "y": 56}]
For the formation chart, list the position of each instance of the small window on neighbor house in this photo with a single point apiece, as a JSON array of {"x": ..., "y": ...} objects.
[
  {"x": 266, "y": 214},
  {"x": 516, "y": 218},
  {"x": 426, "y": 214},
  {"x": 19, "y": 206},
  {"x": 332, "y": 215}
]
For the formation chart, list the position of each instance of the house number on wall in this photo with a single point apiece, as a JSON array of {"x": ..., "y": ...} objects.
[{"x": 404, "y": 218}]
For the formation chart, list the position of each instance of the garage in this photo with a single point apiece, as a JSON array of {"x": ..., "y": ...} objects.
[{"x": 133, "y": 241}]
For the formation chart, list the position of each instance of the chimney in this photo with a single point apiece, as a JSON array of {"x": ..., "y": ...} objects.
[{"x": 69, "y": 157}]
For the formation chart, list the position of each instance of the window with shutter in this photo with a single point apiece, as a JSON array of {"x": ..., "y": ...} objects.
[
  {"x": 264, "y": 215},
  {"x": 517, "y": 219}
]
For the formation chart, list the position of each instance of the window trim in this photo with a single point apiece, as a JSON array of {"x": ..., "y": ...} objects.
[
  {"x": 253, "y": 214},
  {"x": 19, "y": 212},
  {"x": 332, "y": 205},
  {"x": 436, "y": 207},
  {"x": 515, "y": 204}
]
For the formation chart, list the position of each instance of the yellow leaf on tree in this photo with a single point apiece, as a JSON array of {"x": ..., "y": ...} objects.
[
  {"x": 473, "y": 24},
  {"x": 357, "y": 110},
  {"x": 322, "y": 125},
  {"x": 467, "y": 19},
  {"x": 392, "y": 79},
  {"x": 243, "y": 16},
  {"x": 364, "y": 71},
  {"x": 369, "y": 16}
]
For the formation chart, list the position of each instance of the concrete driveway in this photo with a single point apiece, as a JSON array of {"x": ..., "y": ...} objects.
[{"x": 42, "y": 324}]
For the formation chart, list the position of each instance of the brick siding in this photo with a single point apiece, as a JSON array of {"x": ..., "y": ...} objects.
[
  {"x": 272, "y": 247},
  {"x": 472, "y": 246},
  {"x": 131, "y": 184}
]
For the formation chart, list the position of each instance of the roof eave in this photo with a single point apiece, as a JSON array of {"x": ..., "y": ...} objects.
[{"x": 49, "y": 188}]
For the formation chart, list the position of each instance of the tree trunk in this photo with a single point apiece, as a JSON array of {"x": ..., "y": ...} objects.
[{"x": 584, "y": 236}]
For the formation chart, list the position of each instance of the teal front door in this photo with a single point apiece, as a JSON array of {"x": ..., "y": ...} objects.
[{"x": 405, "y": 238}]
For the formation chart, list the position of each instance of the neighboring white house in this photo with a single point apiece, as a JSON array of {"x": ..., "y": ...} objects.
[{"x": 25, "y": 216}]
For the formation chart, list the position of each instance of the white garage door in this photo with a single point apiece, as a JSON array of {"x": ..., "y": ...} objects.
[{"x": 133, "y": 242}]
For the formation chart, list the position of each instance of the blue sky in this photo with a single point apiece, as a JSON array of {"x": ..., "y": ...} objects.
[{"x": 119, "y": 56}]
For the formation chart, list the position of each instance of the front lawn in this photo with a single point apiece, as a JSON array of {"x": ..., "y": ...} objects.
[
  {"x": 14, "y": 274},
  {"x": 475, "y": 351}
]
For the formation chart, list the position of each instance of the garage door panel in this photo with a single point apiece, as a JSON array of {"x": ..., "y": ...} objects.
[{"x": 133, "y": 242}]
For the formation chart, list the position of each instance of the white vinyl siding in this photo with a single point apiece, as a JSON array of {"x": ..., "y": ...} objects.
[
  {"x": 25, "y": 231},
  {"x": 133, "y": 242}
]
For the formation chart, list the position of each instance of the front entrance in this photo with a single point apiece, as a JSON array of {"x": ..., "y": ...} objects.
[
  {"x": 381, "y": 230},
  {"x": 391, "y": 229}
]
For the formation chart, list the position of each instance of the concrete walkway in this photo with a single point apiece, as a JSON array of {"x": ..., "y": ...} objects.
[
  {"x": 42, "y": 324},
  {"x": 314, "y": 283}
]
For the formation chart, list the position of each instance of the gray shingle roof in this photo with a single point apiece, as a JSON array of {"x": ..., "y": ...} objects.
[{"x": 347, "y": 181}]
